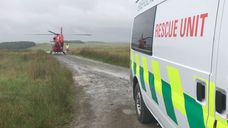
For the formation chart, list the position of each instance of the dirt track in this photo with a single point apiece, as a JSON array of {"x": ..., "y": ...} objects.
[{"x": 104, "y": 95}]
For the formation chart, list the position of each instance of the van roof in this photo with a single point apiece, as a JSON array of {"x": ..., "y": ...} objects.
[{"x": 146, "y": 4}]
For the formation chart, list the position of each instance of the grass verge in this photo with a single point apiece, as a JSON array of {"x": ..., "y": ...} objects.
[
  {"x": 35, "y": 91},
  {"x": 108, "y": 53}
]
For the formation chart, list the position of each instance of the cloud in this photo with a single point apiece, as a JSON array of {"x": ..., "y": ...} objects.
[{"x": 107, "y": 20}]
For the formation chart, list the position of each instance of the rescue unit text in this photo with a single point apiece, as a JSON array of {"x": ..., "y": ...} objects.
[{"x": 186, "y": 27}]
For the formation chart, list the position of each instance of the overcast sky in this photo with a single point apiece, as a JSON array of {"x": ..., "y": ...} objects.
[{"x": 107, "y": 20}]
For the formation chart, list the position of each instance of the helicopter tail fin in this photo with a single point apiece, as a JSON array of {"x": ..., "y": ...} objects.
[{"x": 61, "y": 30}]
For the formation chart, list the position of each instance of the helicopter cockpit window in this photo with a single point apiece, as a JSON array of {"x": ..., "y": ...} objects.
[{"x": 143, "y": 30}]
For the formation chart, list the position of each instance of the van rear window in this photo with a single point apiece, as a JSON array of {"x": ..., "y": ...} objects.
[{"x": 143, "y": 31}]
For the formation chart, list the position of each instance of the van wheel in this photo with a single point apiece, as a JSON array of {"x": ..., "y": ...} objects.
[{"x": 143, "y": 114}]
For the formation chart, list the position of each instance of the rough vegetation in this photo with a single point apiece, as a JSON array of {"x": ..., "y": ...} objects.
[
  {"x": 35, "y": 91},
  {"x": 118, "y": 55},
  {"x": 113, "y": 53}
]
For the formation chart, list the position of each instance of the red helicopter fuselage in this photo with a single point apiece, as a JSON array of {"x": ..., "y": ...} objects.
[
  {"x": 58, "y": 43},
  {"x": 58, "y": 40}
]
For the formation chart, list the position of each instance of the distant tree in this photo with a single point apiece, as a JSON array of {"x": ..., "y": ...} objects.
[{"x": 17, "y": 45}]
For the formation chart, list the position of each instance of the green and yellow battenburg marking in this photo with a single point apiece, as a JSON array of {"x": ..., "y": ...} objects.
[
  {"x": 174, "y": 96},
  {"x": 146, "y": 71},
  {"x": 177, "y": 91},
  {"x": 157, "y": 77}
]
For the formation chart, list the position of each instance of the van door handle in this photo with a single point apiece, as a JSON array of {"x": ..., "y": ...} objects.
[
  {"x": 215, "y": 124},
  {"x": 220, "y": 101},
  {"x": 201, "y": 91}
]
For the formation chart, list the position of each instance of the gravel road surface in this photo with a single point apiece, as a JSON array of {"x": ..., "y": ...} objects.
[{"x": 104, "y": 95}]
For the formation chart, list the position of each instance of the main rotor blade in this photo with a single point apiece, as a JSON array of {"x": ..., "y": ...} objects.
[
  {"x": 41, "y": 34},
  {"x": 83, "y": 34},
  {"x": 53, "y": 33}
]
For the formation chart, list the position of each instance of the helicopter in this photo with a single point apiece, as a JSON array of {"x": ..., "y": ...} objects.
[{"x": 58, "y": 39}]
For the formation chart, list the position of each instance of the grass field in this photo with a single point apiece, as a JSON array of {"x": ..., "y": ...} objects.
[
  {"x": 117, "y": 54},
  {"x": 44, "y": 47},
  {"x": 35, "y": 91}
]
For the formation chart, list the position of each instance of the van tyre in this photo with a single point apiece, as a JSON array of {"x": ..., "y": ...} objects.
[{"x": 143, "y": 114}]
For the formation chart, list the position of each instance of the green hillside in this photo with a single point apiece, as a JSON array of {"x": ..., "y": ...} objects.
[{"x": 74, "y": 41}]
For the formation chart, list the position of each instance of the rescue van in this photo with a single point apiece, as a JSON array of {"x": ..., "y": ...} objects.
[{"x": 179, "y": 63}]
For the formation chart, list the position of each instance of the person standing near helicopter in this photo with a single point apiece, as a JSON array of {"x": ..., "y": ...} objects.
[{"x": 67, "y": 47}]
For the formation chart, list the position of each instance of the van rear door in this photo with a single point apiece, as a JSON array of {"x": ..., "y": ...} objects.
[{"x": 219, "y": 79}]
